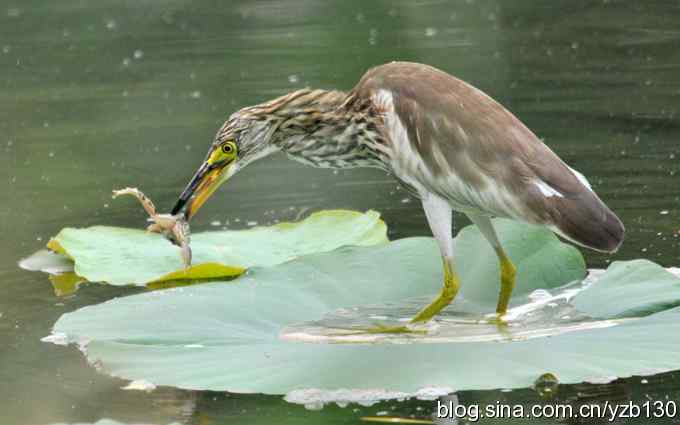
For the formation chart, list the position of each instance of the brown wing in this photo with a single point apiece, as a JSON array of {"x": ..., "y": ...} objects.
[{"x": 461, "y": 133}]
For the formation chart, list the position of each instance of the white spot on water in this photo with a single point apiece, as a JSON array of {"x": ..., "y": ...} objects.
[
  {"x": 56, "y": 338},
  {"x": 13, "y": 12},
  {"x": 293, "y": 79},
  {"x": 430, "y": 32},
  {"x": 140, "y": 385},
  {"x": 138, "y": 54}
]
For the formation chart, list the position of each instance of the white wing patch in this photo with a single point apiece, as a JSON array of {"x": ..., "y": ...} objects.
[
  {"x": 547, "y": 190},
  {"x": 582, "y": 179}
]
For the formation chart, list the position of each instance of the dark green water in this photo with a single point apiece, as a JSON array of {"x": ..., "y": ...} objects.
[{"x": 106, "y": 94}]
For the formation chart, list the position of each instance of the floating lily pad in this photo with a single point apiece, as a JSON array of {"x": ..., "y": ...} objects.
[
  {"x": 122, "y": 256},
  {"x": 238, "y": 338}
]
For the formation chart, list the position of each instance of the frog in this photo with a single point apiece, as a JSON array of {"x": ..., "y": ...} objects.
[{"x": 175, "y": 227}]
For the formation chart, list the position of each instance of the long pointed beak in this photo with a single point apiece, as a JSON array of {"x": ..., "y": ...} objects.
[{"x": 204, "y": 183}]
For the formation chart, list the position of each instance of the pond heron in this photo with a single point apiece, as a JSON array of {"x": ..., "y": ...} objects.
[{"x": 450, "y": 144}]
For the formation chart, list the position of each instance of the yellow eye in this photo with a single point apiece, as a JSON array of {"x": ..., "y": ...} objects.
[{"x": 226, "y": 152}]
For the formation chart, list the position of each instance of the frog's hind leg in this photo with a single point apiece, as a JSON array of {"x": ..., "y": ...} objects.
[{"x": 149, "y": 207}]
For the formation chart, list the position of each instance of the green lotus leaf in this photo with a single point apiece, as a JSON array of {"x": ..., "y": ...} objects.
[
  {"x": 288, "y": 328},
  {"x": 632, "y": 288},
  {"x": 121, "y": 256}
]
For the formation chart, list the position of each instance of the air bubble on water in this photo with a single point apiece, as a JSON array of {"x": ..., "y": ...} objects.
[
  {"x": 574, "y": 45},
  {"x": 106, "y": 205},
  {"x": 372, "y": 36},
  {"x": 664, "y": 212},
  {"x": 215, "y": 223},
  {"x": 13, "y": 12},
  {"x": 126, "y": 62},
  {"x": 51, "y": 154},
  {"x": 644, "y": 381},
  {"x": 539, "y": 294},
  {"x": 430, "y": 32},
  {"x": 293, "y": 79},
  {"x": 406, "y": 200},
  {"x": 138, "y": 54},
  {"x": 196, "y": 94},
  {"x": 111, "y": 24},
  {"x": 46, "y": 124},
  {"x": 251, "y": 223},
  {"x": 125, "y": 93},
  {"x": 6, "y": 49}
]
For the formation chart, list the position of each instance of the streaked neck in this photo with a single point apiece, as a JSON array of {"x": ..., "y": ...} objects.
[{"x": 325, "y": 129}]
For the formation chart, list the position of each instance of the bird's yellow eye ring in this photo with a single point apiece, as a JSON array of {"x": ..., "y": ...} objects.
[{"x": 228, "y": 148}]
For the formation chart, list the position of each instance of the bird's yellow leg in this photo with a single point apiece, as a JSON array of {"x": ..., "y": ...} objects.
[
  {"x": 447, "y": 294},
  {"x": 508, "y": 272}
]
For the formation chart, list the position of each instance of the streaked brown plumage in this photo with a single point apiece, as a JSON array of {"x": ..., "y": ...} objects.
[{"x": 451, "y": 144}]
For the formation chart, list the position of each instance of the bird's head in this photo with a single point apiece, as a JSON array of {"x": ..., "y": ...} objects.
[{"x": 242, "y": 139}]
